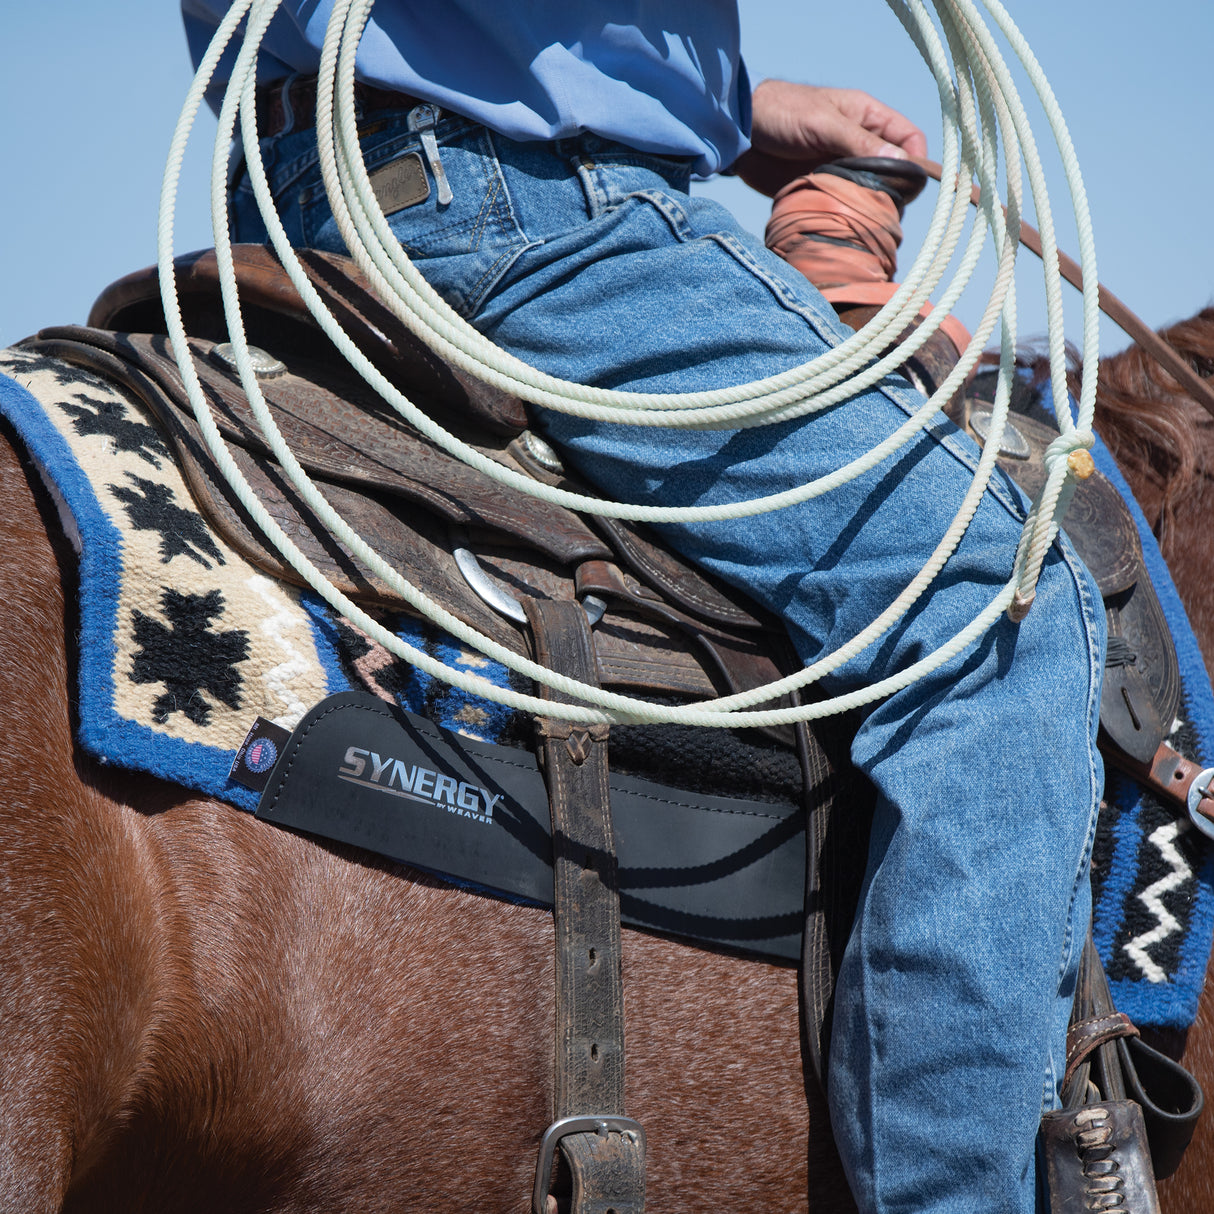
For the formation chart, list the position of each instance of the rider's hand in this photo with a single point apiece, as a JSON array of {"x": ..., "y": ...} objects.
[{"x": 798, "y": 127}]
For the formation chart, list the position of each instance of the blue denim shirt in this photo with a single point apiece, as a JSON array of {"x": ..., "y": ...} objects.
[{"x": 662, "y": 76}]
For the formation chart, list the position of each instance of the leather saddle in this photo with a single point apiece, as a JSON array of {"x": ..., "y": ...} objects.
[{"x": 663, "y": 627}]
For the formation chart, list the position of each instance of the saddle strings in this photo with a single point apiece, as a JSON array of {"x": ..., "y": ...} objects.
[{"x": 981, "y": 113}]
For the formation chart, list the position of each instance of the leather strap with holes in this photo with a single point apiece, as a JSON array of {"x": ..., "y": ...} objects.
[{"x": 608, "y": 1168}]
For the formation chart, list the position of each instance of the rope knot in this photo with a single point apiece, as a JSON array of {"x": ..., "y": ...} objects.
[
  {"x": 1018, "y": 608},
  {"x": 1073, "y": 449}
]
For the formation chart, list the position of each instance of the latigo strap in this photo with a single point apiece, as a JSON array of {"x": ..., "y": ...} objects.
[{"x": 605, "y": 1151}]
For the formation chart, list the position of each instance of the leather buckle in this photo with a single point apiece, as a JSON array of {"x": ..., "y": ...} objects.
[{"x": 602, "y": 1125}]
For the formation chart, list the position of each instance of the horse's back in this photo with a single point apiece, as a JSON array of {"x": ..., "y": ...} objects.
[{"x": 201, "y": 1011}]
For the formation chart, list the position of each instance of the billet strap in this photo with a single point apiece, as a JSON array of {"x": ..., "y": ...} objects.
[
  {"x": 608, "y": 1171},
  {"x": 839, "y": 804},
  {"x": 607, "y": 1162},
  {"x": 1095, "y": 1026}
]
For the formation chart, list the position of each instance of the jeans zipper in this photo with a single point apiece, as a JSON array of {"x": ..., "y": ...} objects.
[{"x": 422, "y": 120}]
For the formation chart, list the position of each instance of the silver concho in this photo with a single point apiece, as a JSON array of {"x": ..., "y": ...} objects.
[
  {"x": 541, "y": 451},
  {"x": 1013, "y": 445},
  {"x": 265, "y": 365}
]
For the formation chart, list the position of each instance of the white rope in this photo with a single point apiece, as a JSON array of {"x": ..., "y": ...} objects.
[{"x": 980, "y": 111}]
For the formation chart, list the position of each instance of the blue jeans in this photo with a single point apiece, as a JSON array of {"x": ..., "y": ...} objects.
[{"x": 591, "y": 261}]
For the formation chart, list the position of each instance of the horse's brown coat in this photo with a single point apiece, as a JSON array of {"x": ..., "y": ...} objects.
[
  {"x": 1164, "y": 443},
  {"x": 200, "y": 1012}
]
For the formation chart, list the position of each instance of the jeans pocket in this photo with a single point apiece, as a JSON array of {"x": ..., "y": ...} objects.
[{"x": 467, "y": 243}]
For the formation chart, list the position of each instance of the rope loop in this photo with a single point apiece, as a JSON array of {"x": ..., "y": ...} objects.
[{"x": 984, "y": 130}]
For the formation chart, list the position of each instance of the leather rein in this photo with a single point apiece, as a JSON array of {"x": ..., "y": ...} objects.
[{"x": 1132, "y": 325}]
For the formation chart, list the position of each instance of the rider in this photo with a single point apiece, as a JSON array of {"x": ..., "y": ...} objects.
[{"x": 569, "y": 134}]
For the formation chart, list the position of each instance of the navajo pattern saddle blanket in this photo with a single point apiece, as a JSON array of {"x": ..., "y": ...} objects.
[{"x": 183, "y": 644}]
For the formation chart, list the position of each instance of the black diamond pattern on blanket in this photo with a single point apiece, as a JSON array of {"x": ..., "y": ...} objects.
[
  {"x": 151, "y": 507},
  {"x": 180, "y": 713},
  {"x": 95, "y": 415},
  {"x": 187, "y": 657}
]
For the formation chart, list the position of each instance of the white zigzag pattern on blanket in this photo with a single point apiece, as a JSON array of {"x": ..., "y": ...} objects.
[{"x": 1152, "y": 898}]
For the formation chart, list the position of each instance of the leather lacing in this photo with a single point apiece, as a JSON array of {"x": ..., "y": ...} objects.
[{"x": 1103, "y": 1185}]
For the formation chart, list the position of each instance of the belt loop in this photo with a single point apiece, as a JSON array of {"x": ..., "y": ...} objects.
[
  {"x": 593, "y": 184},
  {"x": 288, "y": 110}
]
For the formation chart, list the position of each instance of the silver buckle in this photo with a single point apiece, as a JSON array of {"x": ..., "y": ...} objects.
[
  {"x": 601, "y": 1125},
  {"x": 1199, "y": 791}
]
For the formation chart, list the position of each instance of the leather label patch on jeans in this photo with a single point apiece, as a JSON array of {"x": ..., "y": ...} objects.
[{"x": 401, "y": 184}]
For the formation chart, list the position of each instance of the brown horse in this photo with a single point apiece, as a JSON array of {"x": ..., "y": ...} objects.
[
  {"x": 200, "y": 1011},
  {"x": 1163, "y": 442}
]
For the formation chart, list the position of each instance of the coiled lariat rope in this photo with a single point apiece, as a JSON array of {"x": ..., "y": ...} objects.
[{"x": 981, "y": 113}]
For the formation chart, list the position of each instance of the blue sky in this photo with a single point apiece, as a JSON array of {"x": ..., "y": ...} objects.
[{"x": 89, "y": 93}]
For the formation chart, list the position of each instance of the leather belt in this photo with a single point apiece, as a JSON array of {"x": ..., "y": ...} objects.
[{"x": 282, "y": 106}]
